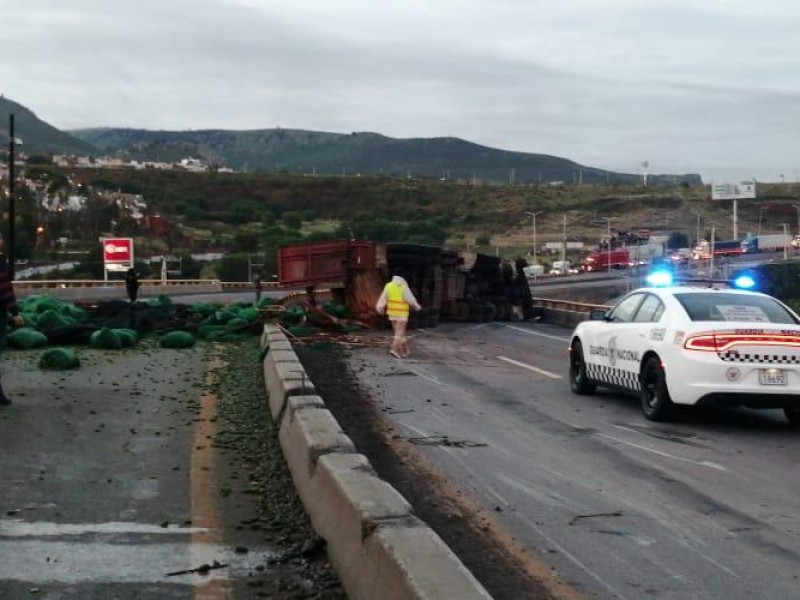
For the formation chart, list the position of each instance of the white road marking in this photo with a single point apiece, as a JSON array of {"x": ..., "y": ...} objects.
[
  {"x": 702, "y": 463},
  {"x": 544, "y": 335},
  {"x": 523, "y": 365},
  {"x": 19, "y": 528}
]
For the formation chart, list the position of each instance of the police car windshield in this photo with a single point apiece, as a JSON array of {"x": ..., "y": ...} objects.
[{"x": 741, "y": 308}]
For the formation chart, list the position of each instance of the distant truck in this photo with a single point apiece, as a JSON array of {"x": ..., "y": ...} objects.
[
  {"x": 533, "y": 270},
  {"x": 766, "y": 243},
  {"x": 561, "y": 267},
  {"x": 603, "y": 260},
  {"x": 723, "y": 248}
]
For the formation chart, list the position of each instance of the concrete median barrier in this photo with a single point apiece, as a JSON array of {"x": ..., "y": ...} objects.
[
  {"x": 375, "y": 543},
  {"x": 309, "y": 431},
  {"x": 285, "y": 377},
  {"x": 411, "y": 561}
]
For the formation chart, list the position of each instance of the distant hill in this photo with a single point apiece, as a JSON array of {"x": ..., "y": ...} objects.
[
  {"x": 301, "y": 151},
  {"x": 37, "y": 136}
]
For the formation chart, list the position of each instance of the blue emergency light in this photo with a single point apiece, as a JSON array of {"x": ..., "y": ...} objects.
[
  {"x": 744, "y": 282},
  {"x": 660, "y": 278}
]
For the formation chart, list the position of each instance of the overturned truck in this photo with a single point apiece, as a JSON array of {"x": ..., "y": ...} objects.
[{"x": 449, "y": 285}]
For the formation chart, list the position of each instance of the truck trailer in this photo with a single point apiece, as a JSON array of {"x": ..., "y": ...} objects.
[{"x": 449, "y": 285}]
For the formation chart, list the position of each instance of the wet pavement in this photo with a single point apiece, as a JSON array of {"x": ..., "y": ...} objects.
[{"x": 112, "y": 486}]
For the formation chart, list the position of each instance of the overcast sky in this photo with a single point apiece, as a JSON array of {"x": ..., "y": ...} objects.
[{"x": 704, "y": 86}]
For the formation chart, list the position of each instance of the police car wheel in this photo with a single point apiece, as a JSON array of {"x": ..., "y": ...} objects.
[
  {"x": 578, "y": 380},
  {"x": 656, "y": 403},
  {"x": 793, "y": 416}
]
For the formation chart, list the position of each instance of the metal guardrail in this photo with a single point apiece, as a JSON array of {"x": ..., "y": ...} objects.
[
  {"x": 91, "y": 283},
  {"x": 568, "y": 305}
]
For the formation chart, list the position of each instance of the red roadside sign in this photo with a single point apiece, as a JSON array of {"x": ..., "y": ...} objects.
[{"x": 118, "y": 250}]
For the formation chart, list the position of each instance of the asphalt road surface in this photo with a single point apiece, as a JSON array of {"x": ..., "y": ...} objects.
[
  {"x": 705, "y": 507},
  {"x": 116, "y": 486}
]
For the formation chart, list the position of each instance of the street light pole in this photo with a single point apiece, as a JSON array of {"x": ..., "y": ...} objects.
[
  {"x": 608, "y": 247},
  {"x": 797, "y": 206},
  {"x": 11, "y": 203},
  {"x": 533, "y": 216}
]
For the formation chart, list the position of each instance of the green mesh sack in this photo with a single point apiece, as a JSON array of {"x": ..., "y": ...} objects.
[
  {"x": 177, "y": 339},
  {"x": 128, "y": 337},
  {"x": 235, "y": 324},
  {"x": 249, "y": 314},
  {"x": 223, "y": 316},
  {"x": 26, "y": 338},
  {"x": 105, "y": 339},
  {"x": 73, "y": 311},
  {"x": 59, "y": 359},
  {"x": 293, "y": 315},
  {"x": 205, "y": 309},
  {"x": 30, "y": 318},
  {"x": 42, "y": 303},
  {"x": 53, "y": 318},
  {"x": 160, "y": 300},
  {"x": 264, "y": 302},
  {"x": 335, "y": 309}
]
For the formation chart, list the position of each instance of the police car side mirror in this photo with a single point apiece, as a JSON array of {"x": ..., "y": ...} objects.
[{"x": 597, "y": 315}]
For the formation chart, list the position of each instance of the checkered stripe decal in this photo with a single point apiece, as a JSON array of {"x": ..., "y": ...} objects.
[
  {"x": 772, "y": 359},
  {"x": 612, "y": 375}
]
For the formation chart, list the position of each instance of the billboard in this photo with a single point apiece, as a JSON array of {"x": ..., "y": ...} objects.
[{"x": 733, "y": 191}]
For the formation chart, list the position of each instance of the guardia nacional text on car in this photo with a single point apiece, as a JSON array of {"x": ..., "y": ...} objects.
[{"x": 692, "y": 345}]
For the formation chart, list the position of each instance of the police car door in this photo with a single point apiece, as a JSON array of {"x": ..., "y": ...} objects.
[{"x": 616, "y": 352}]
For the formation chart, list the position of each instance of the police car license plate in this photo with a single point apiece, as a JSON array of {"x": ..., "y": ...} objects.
[{"x": 771, "y": 377}]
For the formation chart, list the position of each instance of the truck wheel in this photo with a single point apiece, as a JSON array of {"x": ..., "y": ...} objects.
[
  {"x": 656, "y": 403},
  {"x": 579, "y": 382}
]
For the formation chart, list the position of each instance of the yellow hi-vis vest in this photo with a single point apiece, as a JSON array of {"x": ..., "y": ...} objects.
[{"x": 396, "y": 306}]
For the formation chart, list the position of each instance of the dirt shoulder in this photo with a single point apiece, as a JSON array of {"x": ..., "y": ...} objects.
[{"x": 505, "y": 568}]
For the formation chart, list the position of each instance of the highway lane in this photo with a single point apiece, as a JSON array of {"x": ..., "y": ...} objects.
[{"x": 704, "y": 507}]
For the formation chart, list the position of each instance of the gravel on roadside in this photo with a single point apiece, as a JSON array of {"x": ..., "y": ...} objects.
[{"x": 248, "y": 437}]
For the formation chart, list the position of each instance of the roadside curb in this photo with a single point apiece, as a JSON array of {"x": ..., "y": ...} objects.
[{"x": 377, "y": 545}]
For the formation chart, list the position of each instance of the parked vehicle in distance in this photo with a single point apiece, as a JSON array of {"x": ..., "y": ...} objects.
[
  {"x": 533, "y": 270},
  {"x": 603, "y": 260},
  {"x": 692, "y": 346},
  {"x": 562, "y": 267},
  {"x": 772, "y": 242},
  {"x": 722, "y": 248},
  {"x": 796, "y": 241}
]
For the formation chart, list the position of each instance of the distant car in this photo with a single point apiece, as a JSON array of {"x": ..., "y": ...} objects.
[
  {"x": 692, "y": 346},
  {"x": 796, "y": 241}
]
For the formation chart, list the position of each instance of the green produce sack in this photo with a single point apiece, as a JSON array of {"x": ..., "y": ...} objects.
[
  {"x": 128, "y": 337},
  {"x": 177, "y": 339},
  {"x": 53, "y": 318},
  {"x": 105, "y": 339},
  {"x": 26, "y": 338},
  {"x": 59, "y": 359},
  {"x": 235, "y": 324}
]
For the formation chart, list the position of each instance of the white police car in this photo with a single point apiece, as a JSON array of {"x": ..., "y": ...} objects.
[{"x": 692, "y": 345}]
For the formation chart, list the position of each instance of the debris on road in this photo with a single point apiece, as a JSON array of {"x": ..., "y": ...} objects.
[
  {"x": 576, "y": 518},
  {"x": 202, "y": 569},
  {"x": 443, "y": 440}
]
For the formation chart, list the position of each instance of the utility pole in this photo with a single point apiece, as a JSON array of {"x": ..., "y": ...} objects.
[
  {"x": 11, "y": 203},
  {"x": 533, "y": 216},
  {"x": 564, "y": 245},
  {"x": 797, "y": 206},
  {"x": 785, "y": 241}
]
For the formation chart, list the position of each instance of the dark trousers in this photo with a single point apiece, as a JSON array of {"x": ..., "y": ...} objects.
[{"x": 3, "y": 330}]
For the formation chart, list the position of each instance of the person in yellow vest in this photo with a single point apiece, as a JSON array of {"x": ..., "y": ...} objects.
[{"x": 396, "y": 301}]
